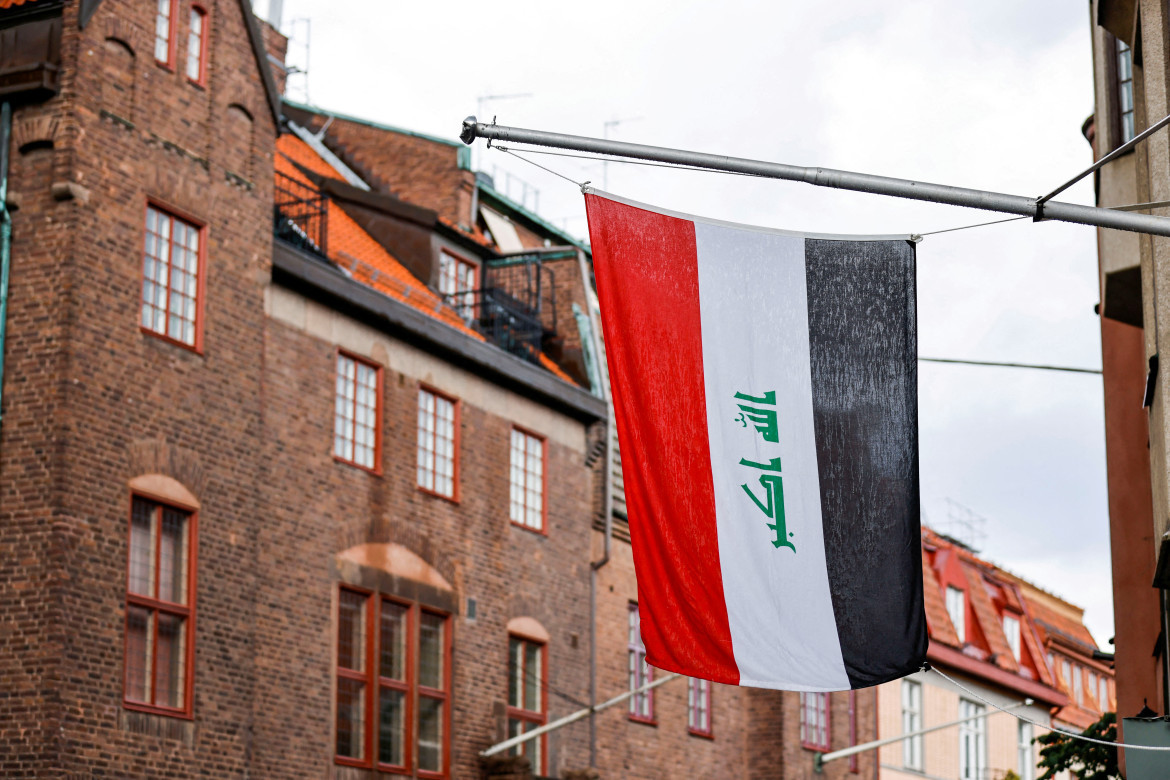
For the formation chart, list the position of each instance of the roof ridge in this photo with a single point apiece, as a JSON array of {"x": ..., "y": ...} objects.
[{"x": 371, "y": 123}]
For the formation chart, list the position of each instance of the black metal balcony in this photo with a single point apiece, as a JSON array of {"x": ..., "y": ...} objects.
[
  {"x": 300, "y": 215},
  {"x": 502, "y": 319}
]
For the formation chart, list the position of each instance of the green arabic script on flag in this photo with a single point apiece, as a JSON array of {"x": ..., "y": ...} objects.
[{"x": 766, "y": 424}]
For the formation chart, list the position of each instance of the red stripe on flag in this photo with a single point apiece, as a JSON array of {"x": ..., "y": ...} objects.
[{"x": 648, "y": 284}]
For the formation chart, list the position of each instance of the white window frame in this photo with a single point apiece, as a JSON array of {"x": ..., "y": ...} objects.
[
  {"x": 972, "y": 741},
  {"x": 1025, "y": 755},
  {"x": 911, "y": 722},
  {"x": 957, "y": 609},
  {"x": 1011, "y": 629}
]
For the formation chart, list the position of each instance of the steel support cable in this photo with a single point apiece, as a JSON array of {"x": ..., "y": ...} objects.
[{"x": 827, "y": 177}]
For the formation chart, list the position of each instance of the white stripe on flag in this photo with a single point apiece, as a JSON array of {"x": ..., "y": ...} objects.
[{"x": 754, "y": 317}]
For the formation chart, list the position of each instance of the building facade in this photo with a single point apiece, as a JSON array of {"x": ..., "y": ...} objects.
[
  {"x": 304, "y": 460},
  {"x": 998, "y": 638},
  {"x": 1130, "y": 89}
]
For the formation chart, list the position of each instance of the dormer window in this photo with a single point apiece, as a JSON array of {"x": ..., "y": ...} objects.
[
  {"x": 957, "y": 609},
  {"x": 1011, "y": 630},
  {"x": 457, "y": 281}
]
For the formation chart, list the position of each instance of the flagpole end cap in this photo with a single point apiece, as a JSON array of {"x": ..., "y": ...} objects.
[{"x": 468, "y": 134}]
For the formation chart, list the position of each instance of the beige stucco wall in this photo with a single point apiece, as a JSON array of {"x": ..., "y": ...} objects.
[
  {"x": 940, "y": 749},
  {"x": 334, "y": 327}
]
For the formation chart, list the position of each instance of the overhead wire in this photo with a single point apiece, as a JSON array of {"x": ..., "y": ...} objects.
[{"x": 1064, "y": 732}]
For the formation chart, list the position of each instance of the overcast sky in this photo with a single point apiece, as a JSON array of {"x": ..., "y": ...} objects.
[{"x": 979, "y": 93}]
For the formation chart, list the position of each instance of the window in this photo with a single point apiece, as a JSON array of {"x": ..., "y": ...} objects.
[
  {"x": 457, "y": 279},
  {"x": 1103, "y": 695},
  {"x": 1066, "y": 673},
  {"x": 392, "y": 658},
  {"x": 171, "y": 278},
  {"x": 699, "y": 707},
  {"x": 527, "y": 708},
  {"x": 641, "y": 704},
  {"x": 197, "y": 45},
  {"x": 1027, "y": 764},
  {"x": 911, "y": 722},
  {"x": 164, "y": 31},
  {"x": 814, "y": 721},
  {"x": 160, "y": 610},
  {"x": 436, "y": 443},
  {"x": 527, "y": 480},
  {"x": 1125, "y": 91},
  {"x": 1078, "y": 686},
  {"x": 1093, "y": 685},
  {"x": 957, "y": 609},
  {"x": 357, "y": 412},
  {"x": 972, "y": 742},
  {"x": 1011, "y": 629}
]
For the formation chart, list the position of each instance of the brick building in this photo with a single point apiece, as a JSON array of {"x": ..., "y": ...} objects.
[{"x": 303, "y": 460}]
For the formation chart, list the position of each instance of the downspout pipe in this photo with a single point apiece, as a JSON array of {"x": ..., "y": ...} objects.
[
  {"x": 607, "y": 482},
  {"x": 5, "y": 235}
]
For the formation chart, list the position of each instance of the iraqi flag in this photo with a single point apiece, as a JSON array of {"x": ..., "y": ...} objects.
[{"x": 764, "y": 386}]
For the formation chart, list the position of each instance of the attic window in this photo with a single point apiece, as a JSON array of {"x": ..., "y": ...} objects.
[
  {"x": 1011, "y": 629},
  {"x": 502, "y": 230},
  {"x": 957, "y": 609}
]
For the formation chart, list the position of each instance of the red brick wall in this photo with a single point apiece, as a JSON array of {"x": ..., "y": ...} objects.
[
  {"x": 92, "y": 401},
  {"x": 417, "y": 170},
  {"x": 324, "y": 507},
  {"x": 756, "y": 732}
]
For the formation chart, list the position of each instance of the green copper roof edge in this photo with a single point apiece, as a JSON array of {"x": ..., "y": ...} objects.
[
  {"x": 463, "y": 149},
  {"x": 515, "y": 207},
  {"x": 504, "y": 262}
]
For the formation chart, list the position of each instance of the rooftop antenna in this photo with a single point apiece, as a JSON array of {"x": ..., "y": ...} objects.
[
  {"x": 965, "y": 526},
  {"x": 605, "y": 134},
  {"x": 483, "y": 100},
  {"x": 299, "y": 38}
]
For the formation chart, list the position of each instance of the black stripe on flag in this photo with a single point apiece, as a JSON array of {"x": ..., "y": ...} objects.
[{"x": 863, "y": 347}]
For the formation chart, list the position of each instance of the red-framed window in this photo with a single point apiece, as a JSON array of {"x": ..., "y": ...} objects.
[
  {"x": 160, "y": 609},
  {"x": 527, "y": 698},
  {"x": 164, "y": 31},
  {"x": 438, "y": 444},
  {"x": 172, "y": 278},
  {"x": 640, "y": 673},
  {"x": 357, "y": 413},
  {"x": 457, "y": 280},
  {"x": 814, "y": 721},
  {"x": 393, "y": 683},
  {"x": 526, "y": 480},
  {"x": 197, "y": 35},
  {"x": 699, "y": 707}
]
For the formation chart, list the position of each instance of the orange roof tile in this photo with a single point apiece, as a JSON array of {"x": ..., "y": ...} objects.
[
  {"x": 938, "y": 622},
  {"x": 355, "y": 250},
  {"x": 13, "y": 3},
  {"x": 989, "y": 622}
]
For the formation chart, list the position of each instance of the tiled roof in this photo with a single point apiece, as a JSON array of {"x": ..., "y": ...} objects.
[
  {"x": 354, "y": 249},
  {"x": 368, "y": 261},
  {"x": 992, "y": 591}
]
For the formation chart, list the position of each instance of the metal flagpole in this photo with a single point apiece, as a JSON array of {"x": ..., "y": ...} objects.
[
  {"x": 512, "y": 742},
  {"x": 1037, "y": 208},
  {"x": 823, "y": 758}
]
